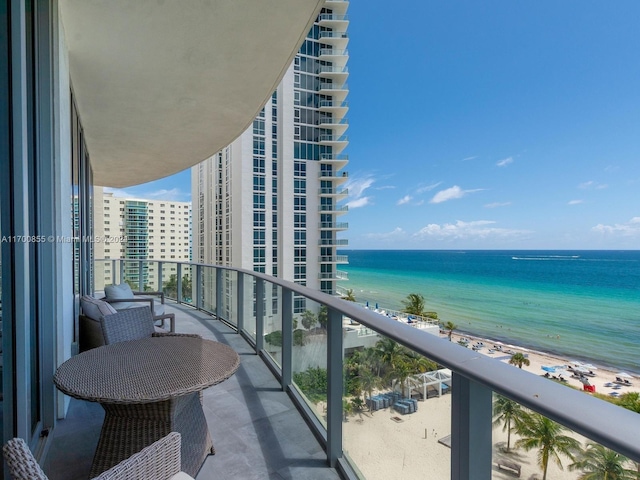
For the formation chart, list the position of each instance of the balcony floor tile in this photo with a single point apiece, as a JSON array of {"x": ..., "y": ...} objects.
[{"x": 257, "y": 431}]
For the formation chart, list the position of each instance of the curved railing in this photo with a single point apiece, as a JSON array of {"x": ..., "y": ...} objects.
[{"x": 230, "y": 295}]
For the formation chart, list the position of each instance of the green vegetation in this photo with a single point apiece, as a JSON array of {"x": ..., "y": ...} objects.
[
  {"x": 450, "y": 327},
  {"x": 349, "y": 296},
  {"x": 551, "y": 440},
  {"x": 518, "y": 359},
  {"x": 600, "y": 463},
  {"x": 509, "y": 414},
  {"x": 414, "y": 305}
]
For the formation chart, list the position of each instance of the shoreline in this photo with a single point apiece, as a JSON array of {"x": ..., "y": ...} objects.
[
  {"x": 517, "y": 344},
  {"x": 511, "y": 343},
  {"x": 604, "y": 379}
]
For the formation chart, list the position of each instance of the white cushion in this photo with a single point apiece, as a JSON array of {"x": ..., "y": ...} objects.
[
  {"x": 121, "y": 292},
  {"x": 94, "y": 308},
  {"x": 181, "y": 476}
]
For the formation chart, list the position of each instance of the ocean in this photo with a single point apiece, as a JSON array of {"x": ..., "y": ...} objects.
[{"x": 583, "y": 305}]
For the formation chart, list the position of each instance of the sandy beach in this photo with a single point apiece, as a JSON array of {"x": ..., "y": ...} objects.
[{"x": 385, "y": 445}]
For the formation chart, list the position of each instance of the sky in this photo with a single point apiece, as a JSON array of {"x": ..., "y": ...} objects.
[{"x": 489, "y": 125}]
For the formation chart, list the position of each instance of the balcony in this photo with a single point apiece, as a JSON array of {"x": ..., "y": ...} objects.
[
  {"x": 334, "y": 54},
  {"x": 257, "y": 430},
  {"x": 256, "y": 419},
  {"x": 335, "y": 242},
  {"x": 332, "y": 20},
  {"x": 337, "y": 73},
  {"x": 337, "y": 142},
  {"x": 336, "y": 39},
  {"x": 333, "y": 225},
  {"x": 333, "y": 259},
  {"x": 337, "y": 108},
  {"x": 333, "y": 209},
  {"x": 337, "y": 193},
  {"x": 337, "y": 275},
  {"x": 338, "y": 161},
  {"x": 336, "y": 177}
]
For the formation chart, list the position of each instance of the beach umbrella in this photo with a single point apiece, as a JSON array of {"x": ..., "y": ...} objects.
[
  {"x": 548, "y": 369},
  {"x": 623, "y": 375}
]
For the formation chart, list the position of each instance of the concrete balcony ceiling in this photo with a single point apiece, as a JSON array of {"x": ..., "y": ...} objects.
[{"x": 162, "y": 85}]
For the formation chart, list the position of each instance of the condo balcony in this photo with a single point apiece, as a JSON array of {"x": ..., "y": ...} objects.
[
  {"x": 337, "y": 193},
  {"x": 333, "y": 259},
  {"x": 337, "y": 142},
  {"x": 337, "y": 242},
  {"x": 337, "y": 178},
  {"x": 337, "y": 39},
  {"x": 337, "y": 275},
  {"x": 337, "y": 124},
  {"x": 333, "y": 225},
  {"x": 337, "y": 108},
  {"x": 338, "y": 209},
  {"x": 337, "y": 160},
  {"x": 333, "y": 20},
  {"x": 337, "y": 73},
  {"x": 299, "y": 404},
  {"x": 334, "y": 55}
]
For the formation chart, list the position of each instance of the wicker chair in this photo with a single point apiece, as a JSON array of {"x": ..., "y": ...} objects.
[
  {"x": 131, "y": 324},
  {"x": 158, "y": 461}
]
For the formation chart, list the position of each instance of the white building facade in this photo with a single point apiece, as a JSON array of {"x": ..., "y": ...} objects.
[
  {"x": 140, "y": 229},
  {"x": 270, "y": 201}
]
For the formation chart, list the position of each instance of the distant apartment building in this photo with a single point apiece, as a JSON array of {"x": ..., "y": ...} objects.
[
  {"x": 136, "y": 229},
  {"x": 270, "y": 201}
]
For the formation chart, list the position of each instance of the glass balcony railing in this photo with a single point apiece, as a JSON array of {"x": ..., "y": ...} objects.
[{"x": 393, "y": 400}]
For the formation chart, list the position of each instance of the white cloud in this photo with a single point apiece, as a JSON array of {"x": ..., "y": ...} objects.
[
  {"x": 395, "y": 233},
  {"x": 403, "y": 200},
  {"x": 575, "y": 202},
  {"x": 592, "y": 184},
  {"x": 359, "y": 202},
  {"x": 164, "y": 194},
  {"x": 174, "y": 194},
  {"x": 504, "y": 162},
  {"x": 451, "y": 194},
  {"x": 428, "y": 188},
  {"x": 628, "y": 229},
  {"x": 497, "y": 204},
  {"x": 357, "y": 186},
  {"x": 469, "y": 158},
  {"x": 466, "y": 230}
]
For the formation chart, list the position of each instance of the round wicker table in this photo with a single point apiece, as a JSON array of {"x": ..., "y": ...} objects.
[{"x": 148, "y": 388}]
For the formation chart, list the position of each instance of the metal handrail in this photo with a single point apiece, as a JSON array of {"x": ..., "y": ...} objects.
[{"x": 605, "y": 423}]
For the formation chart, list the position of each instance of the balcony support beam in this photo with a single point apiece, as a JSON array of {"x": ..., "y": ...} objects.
[
  {"x": 140, "y": 276},
  {"x": 471, "y": 441},
  {"x": 240, "y": 302},
  {"x": 160, "y": 284},
  {"x": 259, "y": 315},
  {"x": 219, "y": 292},
  {"x": 335, "y": 387},
  {"x": 198, "y": 284},
  {"x": 179, "y": 283},
  {"x": 287, "y": 338}
]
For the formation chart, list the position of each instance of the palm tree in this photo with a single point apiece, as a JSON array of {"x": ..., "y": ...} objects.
[
  {"x": 450, "y": 326},
  {"x": 508, "y": 412},
  {"x": 349, "y": 296},
  {"x": 519, "y": 359},
  {"x": 414, "y": 304},
  {"x": 547, "y": 436},
  {"x": 389, "y": 352},
  {"x": 600, "y": 463}
]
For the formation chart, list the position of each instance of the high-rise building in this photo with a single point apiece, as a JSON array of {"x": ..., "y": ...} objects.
[
  {"x": 269, "y": 202},
  {"x": 137, "y": 229}
]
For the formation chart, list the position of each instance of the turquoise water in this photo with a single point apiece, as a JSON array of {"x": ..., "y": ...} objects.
[{"x": 581, "y": 304}]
